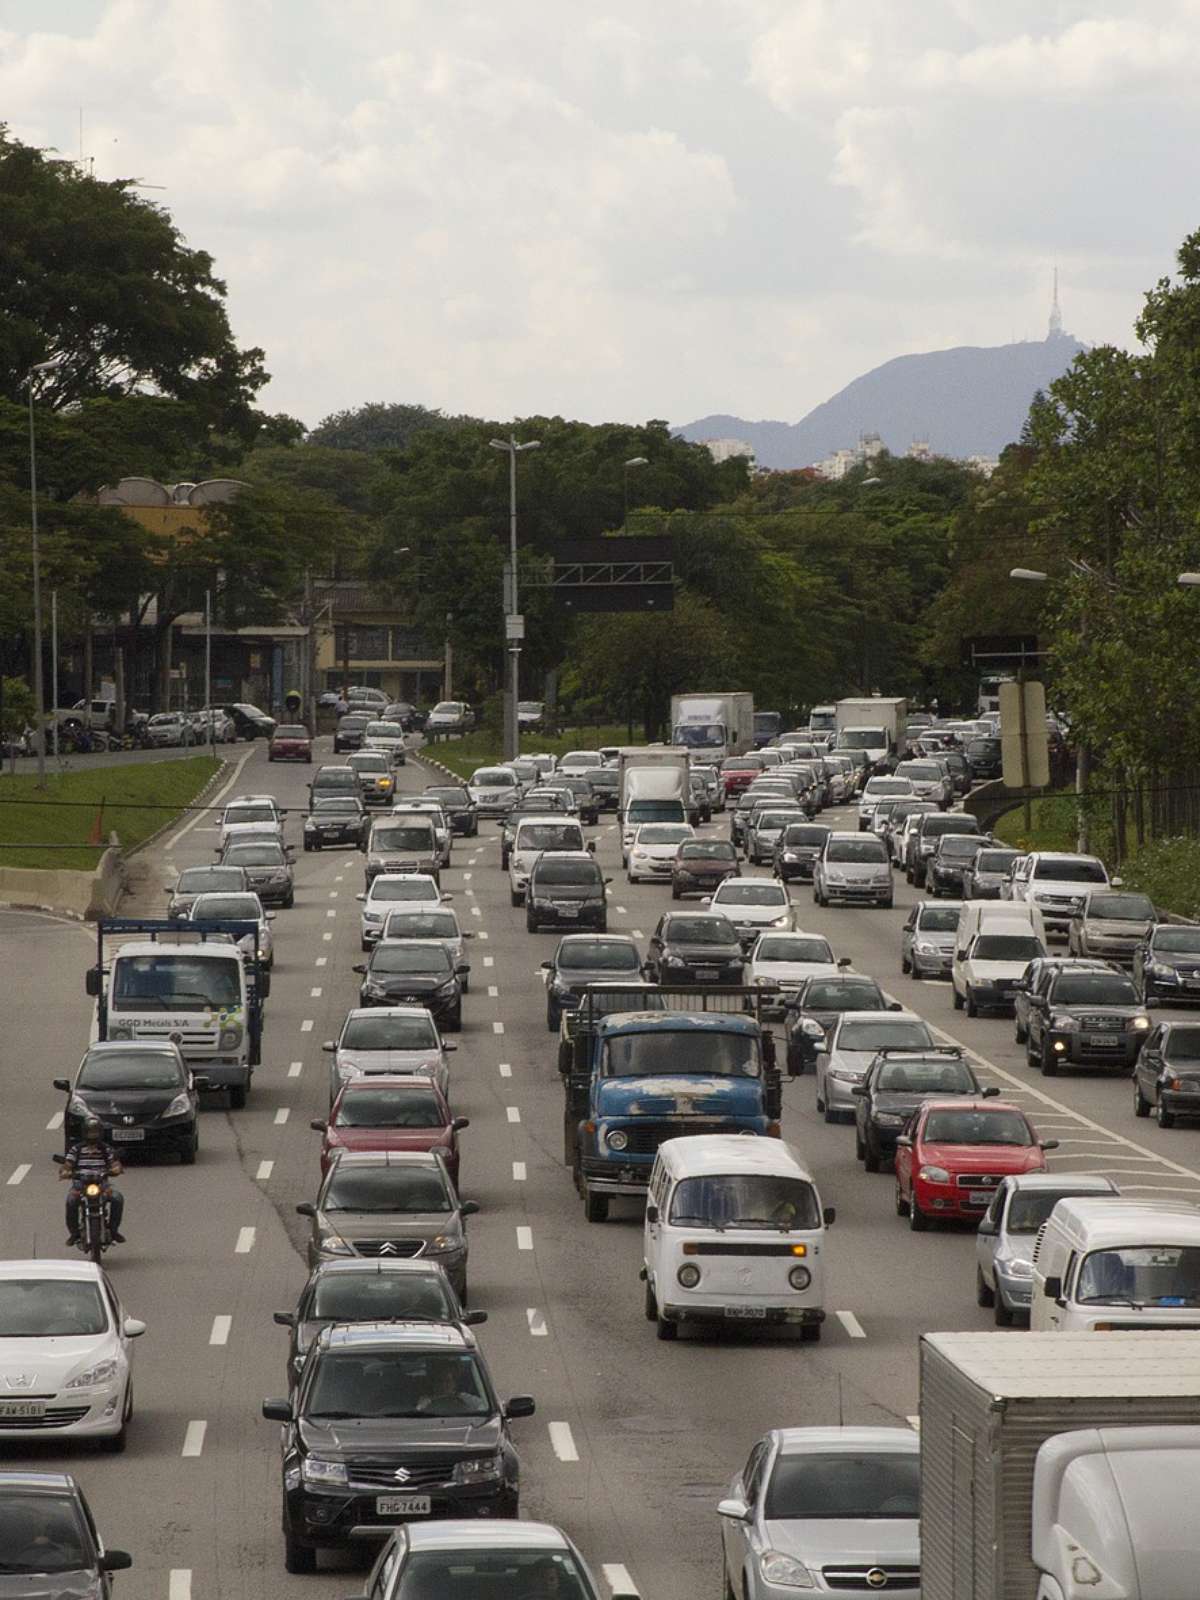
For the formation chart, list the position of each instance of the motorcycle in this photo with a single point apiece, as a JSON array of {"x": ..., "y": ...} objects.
[{"x": 95, "y": 1224}]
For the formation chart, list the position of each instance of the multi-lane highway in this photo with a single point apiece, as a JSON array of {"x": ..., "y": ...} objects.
[{"x": 634, "y": 1439}]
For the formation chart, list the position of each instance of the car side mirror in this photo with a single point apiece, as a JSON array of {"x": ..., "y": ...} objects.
[
  {"x": 64, "y": 1084},
  {"x": 904, "y": 1141},
  {"x": 134, "y": 1327},
  {"x": 1048, "y": 1144},
  {"x": 449, "y": 1046},
  {"x": 115, "y": 1561},
  {"x": 468, "y": 1208},
  {"x": 845, "y": 962},
  {"x": 521, "y": 1405},
  {"x": 990, "y": 1093},
  {"x": 360, "y": 898},
  {"x": 462, "y": 969},
  {"x": 607, "y": 881},
  {"x": 735, "y": 1510},
  {"x": 961, "y": 955},
  {"x": 1052, "y": 1288},
  {"x": 306, "y": 1210},
  {"x": 277, "y": 1410},
  {"x": 987, "y": 1228},
  {"x": 830, "y": 1215},
  {"x": 91, "y": 982},
  {"x": 358, "y": 966},
  {"x": 285, "y": 1319},
  {"x": 859, "y": 1089},
  {"x": 548, "y": 966},
  {"x": 319, "y": 1127},
  {"x": 651, "y": 1212},
  {"x": 894, "y": 1005},
  {"x": 473, "y": 1319},
  {"x": 1118, "y": 883},
  {"x": 459, "y": 1123},
  {"x": 707, "y": 900}
]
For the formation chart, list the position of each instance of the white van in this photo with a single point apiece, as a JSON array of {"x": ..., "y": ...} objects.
[
  {"x": 994, "y": 943},
  {"x": 1115, "y": 1264},
  {"x": 533, "y": 835},
  {"x": 734, "y": 1232}
]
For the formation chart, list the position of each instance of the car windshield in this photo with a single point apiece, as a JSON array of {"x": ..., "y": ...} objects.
[
  {"x": 841, "y": 995},
  {"x": 1070, "y": 869},
  {"x": 700, "y": 930},
  {"x": 1182, "y": 1044},
  {"x": 371, "y": 761},
  {"x": 735, "y": 765},
  {"x": 408, "y": 836},
  {"x": 448, "y": 708},
  {"x": 130, "y": 1069},
  {"x": 937, "y": 919},
  {"x": 403, "y": 889},
  {"x": 751, "y": 892},
  {"x": 407, "y": 1189},
  {"x": 474, "y": 1574},
  {"x": 414, "y": 958},
  {"x": 1179, "y": 941},
  {"x": 933, "y": 826},
  {"x": 168, "y": 982},
  {"x": 336, "y": 778},
  {"x": 960, "y": 845},
  {"x": 977, "y": 1127},
  {"x": 920, "y": 771},
  {"x": 889, "y": 1033},
  {"x": 366, "y": 1105},
  {"x": 1094, "y": 989},
  {"x": 449, "y": 796},
  {"x": 1157, "y": 1275},
  {"x": 398, "y": 1383},
  {"x": 1007, "y": 947},
  {"x": 714, "y": 851},
  {"x": 860, "y": 850},
  {"x": 803, "y": 833},
  {"x": 257, "y": 855},
  {"x": 654, "y": 1054},
  {"x": 597, "y": 955},
  {"x": 384, "y": 730},
  {"x": 1121, "y": 907},
  {"x": 492, "y": 778},
  {"x": 934, "y": 1075},
  {"x": 422, "y": 925},
  {"x": 389, "y": 1033},
  {"x": 746, "y": 1200},
  {"x": 41, "y": 1534},
  {"x": 664, "y": 833},
  {"x": 582, "y": 758},
  {"x": 575, "y": 873},
  {"x": 1029, "y": 1208},
  {"x": 202, "y": 880},
  {"x": 995, "y": 860},
  {"x": 50, "y": 1308},
  {"x": 786, "y": 947},
  {"x": 844, "y": 1485},
  {"x": 381, "y": 1297},
  {"x": 250, "y": 814},
  {"x": 549, "y": 836},
  {"x": 768, "y": 821},
  {"x": 892, "y": 786},
  {"x": 291, "y": 731},
  {"x": 226, "y": 908}
]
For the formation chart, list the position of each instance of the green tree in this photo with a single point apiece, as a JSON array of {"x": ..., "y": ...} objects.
[{"x": 378, "y": 426}]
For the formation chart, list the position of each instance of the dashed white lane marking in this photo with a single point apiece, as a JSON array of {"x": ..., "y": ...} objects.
[
  {"x": 281, "y": 1116},
  {"x": 56, "y": 1121},
  {"x": 851, "y": 1324},
  {"x": 476, "y": 912},
  {"x": 245, "y": 1241},
  {"x": 505, "y": 1070},
  {"x": 470, "y": 893},
  {"x": 524, "y": 1238},
  {"x": 481, "y": 934},
  {"x": 333, "y": 894},
  {"x": 328, "y": 937},
  {"x": 265, "y": 1169},
  {"x": 296, "y": 1068},
  {"x": 19, "y": 1174},
  {"x": 331, "y": 913},
  {"x": 322, "y": 961},
  {"x": 489, "y": 961},
  {"x": 179, "y": 1584},
  {"x": 193, "y": 1439},
  {"x": 341, "y": 878},
  {"x": 518, "y": 1172},
  {"x": 620, "y": 910},
  {"x": 512, "y": 1112},
  {"x": 537, "y": 1323},
  {"x": 493, "y": 992},
  {"x": 220, "y": 1330},
  {"x": 467, "y": 876},
  {"x": 306, "y": 1026},
  {"x": 637, "y": 933},
  {"x": 563, "y": 1441},
  {"x": 617, "y": 1578},
  {"x": 315, "y": 993},
  {"x": 497, "y": 1027}
]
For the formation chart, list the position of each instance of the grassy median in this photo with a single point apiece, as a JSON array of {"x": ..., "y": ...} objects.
[
  {"x": 132, "y": 800},
  {"x": 482, "y": 748}
]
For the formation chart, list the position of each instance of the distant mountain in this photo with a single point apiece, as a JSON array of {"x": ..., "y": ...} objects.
[{"x": 971, "y": 401}]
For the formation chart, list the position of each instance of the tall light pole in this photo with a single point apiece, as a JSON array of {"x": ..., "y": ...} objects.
[
  {"x": 513, "y": 626},
  {"x": 634, "y": 461},
  {"x": 39, "y": 694}
]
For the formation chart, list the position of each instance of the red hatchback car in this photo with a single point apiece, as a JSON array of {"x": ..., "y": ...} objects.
[
  {"x": 400, "y": 1113},
  {"x": 951, "y": 1158},
  {"x": 290, "y": 742},
  {"x": 740, "y": 771}
]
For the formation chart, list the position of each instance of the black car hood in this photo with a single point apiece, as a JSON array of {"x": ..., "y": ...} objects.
[
  {"x": 567, "y": 892},
  {"x": 1082, "y": 1009},
  {"x": 902, "y": 1104},
  {"x": 376, "y": 1437},
  {"x": 49, "y": 1586},
  {"x": 128, "y": 1102},
  {"x": 705, "y": 954},
  {"x": 405, "y": 982},
  {"x": 1179, "y": 959}
]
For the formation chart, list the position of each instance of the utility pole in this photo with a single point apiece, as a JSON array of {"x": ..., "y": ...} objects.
[
  {"x": 208, "y": 705},
  {"x": 54, "y": 670},
  {"x": 514, "y": 623},
  {"x": 39, "y": 692}
]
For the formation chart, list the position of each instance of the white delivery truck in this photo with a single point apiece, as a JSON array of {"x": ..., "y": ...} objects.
[
  {"x": 658, "y": 792},
  {"x": 713, "y": 726},
  {"x": 874, "y": 724},
  {"x": 629, "y": 757},
  {"x": 1056, "y": 1466}
]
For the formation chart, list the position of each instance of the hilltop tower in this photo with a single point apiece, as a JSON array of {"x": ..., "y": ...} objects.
[{"x": 1055, "y": 330}]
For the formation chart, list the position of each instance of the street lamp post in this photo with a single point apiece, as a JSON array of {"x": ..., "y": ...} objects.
[
  {"x": 512, "y": 642},
  {"x": 634, "y": 461},
  {"x": 39, "y": 693}
]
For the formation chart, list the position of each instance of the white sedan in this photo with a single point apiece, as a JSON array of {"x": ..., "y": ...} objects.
[
  {"x": 754, "y": 905},
  {"x": 653, "y": 848},
  {"x": 789, "y": 959},
  {"x": 394, "y": 891},
  {"x": 65, "y": 1353}
]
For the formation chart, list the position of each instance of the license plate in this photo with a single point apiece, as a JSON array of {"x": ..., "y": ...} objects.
[
  {"x": 706, "y": 972},
  {"x": 747, "y": 1313},
  {"x": 1101, "y": 1041},
  {"x": 568, "y": 911},
  {"x": 22, "y": 1410},
  {"x": 126, "y": 1135},
  {"x": 402, "y": 1505},
  {"x": 1191, "y": 983},
  {"x": 979, "y": 1197}
]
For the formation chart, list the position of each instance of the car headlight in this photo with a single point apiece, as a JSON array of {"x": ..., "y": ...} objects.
[
  {"x": 332, "y": 1244},
  {"x": 372, "y": 916},
  {"x": 443, "y": 1243},
  {"x": 179, "y": 1107},
  {"x": 484, "y": 1469},
  {"x": 102, "y": 1372},
  {"x": 924, "y": 949},
  {"x": 448, "y": 987},
  {"x": 1016, "y": 1268},
  {"x": 616, "y": 1140},
  {"x": 1156, "y": 969},
  {"x": 317, "y": 1470},
  {"x": 78, "y": 1107},
  {"x": 674, "y": 961},
  {"x": 782, "y": 921},
  {"x": 844, "y": 1075},
  {"x": 1064, "y": 1023},
  {"x": 640, "y": 855},
  {"x": 785, "y": 1570},
  {"x": 120, "y": 1030},
  {"x": 799, "y": 1277},
  {"x": 934, "y": 1175},
  {"x": 231, "y": 1036},
  {"x": 1139, "y": 1024},
  {"x": 811, "y": 1028},
  {"x": 688, "y": 1275},
  {"x": 889, "y": 1119}
]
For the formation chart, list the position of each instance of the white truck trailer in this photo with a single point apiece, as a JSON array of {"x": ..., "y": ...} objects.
[
  {"x": 874, "y": 724},
  {"x": 713, "y": 726},
  {"x": 1056, "y": 1466}
]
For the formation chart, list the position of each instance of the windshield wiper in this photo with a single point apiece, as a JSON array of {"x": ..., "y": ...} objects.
[{"x": 333, "y": 1416}]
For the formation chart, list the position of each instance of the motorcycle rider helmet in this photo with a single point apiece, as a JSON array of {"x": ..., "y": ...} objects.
[{"x": 93, "y": 1130}]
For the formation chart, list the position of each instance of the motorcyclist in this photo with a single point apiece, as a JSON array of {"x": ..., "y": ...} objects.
[{"x": 91, "y": 1159}]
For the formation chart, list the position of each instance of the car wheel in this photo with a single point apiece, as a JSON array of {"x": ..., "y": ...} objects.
[
  {"x": 187, "y": 1155},
  {"x": 810, "y": 1333},
  {"x": 1049, "y": 1062},
  {"x": 820, "y": 1100},
  {"x": 595, "y": 1207},
  {"x": 888, "y": 904},
  {"x": 1164, "y": 1118},
  {"x": 667, "y": 1330},
  {"x": 830, "y": 1114},
  {"x": 552, "y": 1021},
  {"x": 651, "y": 1304},
  {"x": 530, "y": 925},
  {"x": 901, "y": 1202},
  {"x": 871, "y": 1161},
  {"x": 972, "y": 1008},
  {"x": 956, "y": 997},
  {"x": 983, "y": 1295},
  {"x": 918, "y": 1222},
  {"x": 237, "y": 1098},
  {"x": 675, "y": 891},
  {"x": 1141, "y": 1106},
  {"x": 454, "y": 1020},
  {"x": 298, "y": 1558},
  {"x": 1020, "y": 1033},
  {"x": 905, "y": 966}
]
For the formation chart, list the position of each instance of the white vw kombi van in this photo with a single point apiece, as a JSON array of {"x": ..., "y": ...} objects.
[{"x": 1117, "y": 1264}]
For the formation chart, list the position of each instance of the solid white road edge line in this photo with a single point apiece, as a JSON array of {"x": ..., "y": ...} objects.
[
  {"x": 563, "y": 1441},
  {"x": 851, "y": 1324},
  {"x": 223, "y": 790},
  {"x": 193, "y": 1439}
]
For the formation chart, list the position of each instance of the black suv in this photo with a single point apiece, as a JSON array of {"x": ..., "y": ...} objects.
[
  {"x": 142, "y": 1092},
  {"x": 818, "y": 1002},
  {"x": 351, "y": 731},
  {"x": 336, "y": 819},
  {"x": 951, "y": 861},
  {"x": 392, "y": 1420},
  {"x": 695, "y": 947},
  {"x": 566, "y": 889},
  {"x": 1167, "y": 965},
  {"x": 896, "y": 1083},
  {"x": 1085, "y": 1018},
  {"x": 250, "y": 722},
  {"x": 48, "y": 1539},
  {"x": 455, "y": 801},
  {"x": 414, "y": 972},
  {"x": 924, "y": 840},
  {"x": 797, "y": 849}
]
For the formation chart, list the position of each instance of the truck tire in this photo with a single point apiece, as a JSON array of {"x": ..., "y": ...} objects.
[
  {"x": 651, "y": 1304},
  {"x": 667, "y": 1330},
  {"x": 595, "y": 1206},
  {"x": 810, "y": 1333}
]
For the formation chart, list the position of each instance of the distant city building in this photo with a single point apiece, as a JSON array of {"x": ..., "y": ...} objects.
[
  {"x": 840, "y": 462},
  {"x": 984, "y": 465},
  {"x": 919, "y": 450},
  {"x": 729, "y": 449}
]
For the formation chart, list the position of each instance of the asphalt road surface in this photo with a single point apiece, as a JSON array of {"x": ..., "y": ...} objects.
[{"x": 634, "y": 1440}]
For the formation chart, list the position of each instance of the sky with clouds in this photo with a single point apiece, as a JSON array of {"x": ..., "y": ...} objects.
[{"x": 623, "y": 209}]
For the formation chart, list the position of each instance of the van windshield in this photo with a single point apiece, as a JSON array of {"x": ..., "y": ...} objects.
[
  {"x": 656, "y": 1054},
  {"x": 745, "y": 1200},
  {"x": 1007, "y": 947},
  {"x": 1157, "y": 1275},
  {"x": 176, "y": 983}
]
